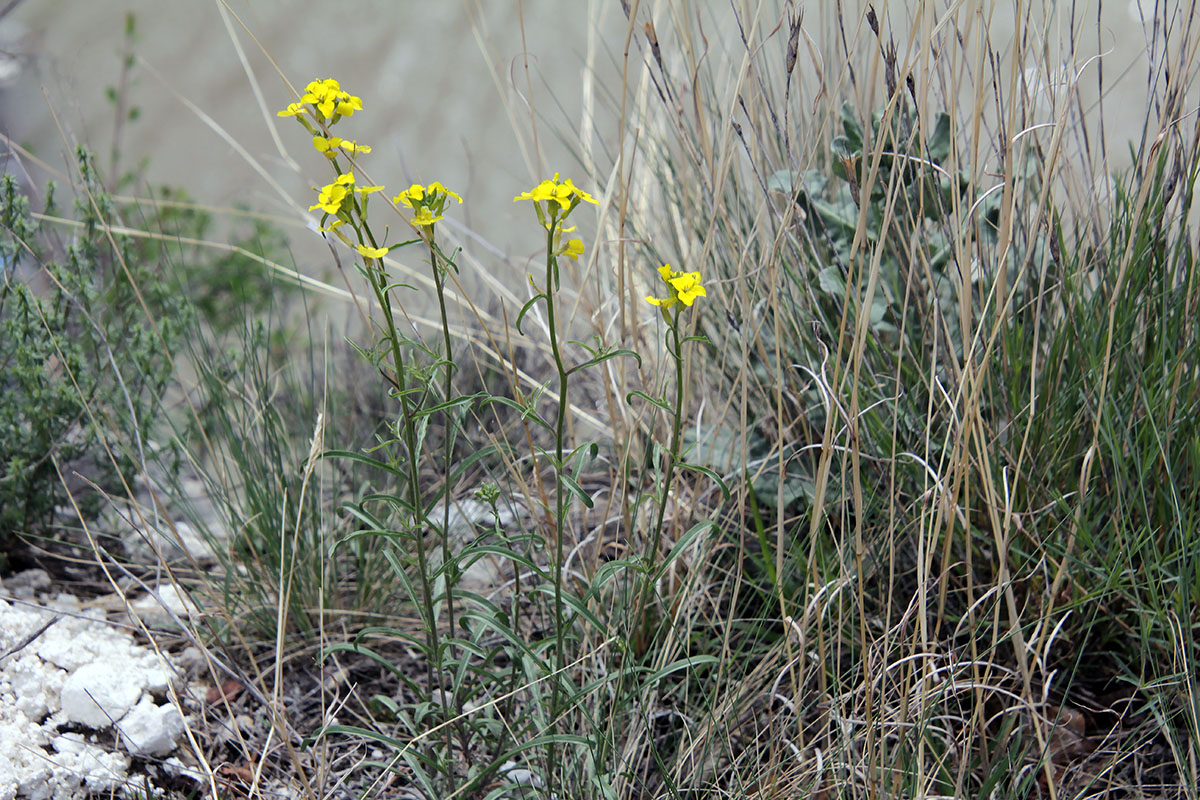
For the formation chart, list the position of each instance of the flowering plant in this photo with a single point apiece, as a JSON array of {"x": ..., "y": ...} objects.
[
  {"x": 343, "y": 204},
  {"x": 685, "y": 288},
  {"x": 554, "y": 200},
  {"x": 324, "y": 101},
  {"x": 428, "y": 201}
]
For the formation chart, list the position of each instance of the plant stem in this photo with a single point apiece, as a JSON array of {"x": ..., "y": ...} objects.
[
  {"x": 449, "y": 574},
  {"x": 416, "y": 506},
  {"x": 559, "y": 433},
  {"x": 448, "y": 451},
  {"x": 668, "y": 475}
]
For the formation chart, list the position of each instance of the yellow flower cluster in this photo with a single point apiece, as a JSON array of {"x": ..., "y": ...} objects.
[
  {"x": 331, "y": 196},
  {"x": 685, "y": 288},
  {"x": 324, "y": 103},
  {"x": 565, "y": 193},
  {"x": 326, "y": 98},
  {"x": 554, "y": 200},
  {"x": 428, "y": 201},
  {"x": 328, "y": 146}
]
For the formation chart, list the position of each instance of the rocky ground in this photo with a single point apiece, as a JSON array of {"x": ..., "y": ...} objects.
[
  {"x": 112, "y": 684},
  {"x": 106, "y": 689},
  {"x": 81, "y": 701}
]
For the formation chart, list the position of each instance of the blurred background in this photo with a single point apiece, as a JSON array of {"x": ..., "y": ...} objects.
[{"x": 444, "y": 87}]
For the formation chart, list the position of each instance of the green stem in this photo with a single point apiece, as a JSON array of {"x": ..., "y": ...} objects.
[
  {"x": 559, "y": 435},
  {"x": 379, "y": 285},
  {"x": 449, "y": 573},
  {"x": 439, "y": 284},
  {"x": 668, "y": 474}
]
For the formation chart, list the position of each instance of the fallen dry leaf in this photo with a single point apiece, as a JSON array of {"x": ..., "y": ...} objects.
[{"x": 226, "y": 691}]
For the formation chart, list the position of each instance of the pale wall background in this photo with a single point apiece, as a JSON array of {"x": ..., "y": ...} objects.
[{"x": 432, "y": 76}]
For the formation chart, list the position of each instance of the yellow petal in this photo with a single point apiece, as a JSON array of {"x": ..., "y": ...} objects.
[
  {"x": 423, "y": 217},
  {"x": 574, "y": 249},
  {"x": 437, "y": 187}
]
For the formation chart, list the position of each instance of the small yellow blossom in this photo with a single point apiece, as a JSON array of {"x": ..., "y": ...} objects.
[
  {"x": 428, "y": 201},
  {"x": 371, "y": 252},
  {"x": 329, "y": 146},
  {"x": 437, "y": 188},
  {"x": 543, "y": 191},
  {"x": 327, "y": 98},
  {"x": 569, "y": 189},
  {"x": 565, "y": 193},
  {"x": 322, "y": 87},
  {"x": 330, "y": 196},
  {"x": 685, "y": 288},
  {"x": 423, "y": 217},
  {"x": 410, "y": 195},
  {"x": 574, "y": 249}
]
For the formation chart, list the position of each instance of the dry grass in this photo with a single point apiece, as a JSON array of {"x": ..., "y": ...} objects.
[{"x": 949, "y": 380}]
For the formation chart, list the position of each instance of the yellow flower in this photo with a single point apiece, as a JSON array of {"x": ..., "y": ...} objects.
[
  {"x": 424, "y": 217},
  {"x": 569, "y": 189},
  {"x": 330, "y": 146},
  {"x": 428, "y": 201},
  {"x": 347, "y": 104},
  {"x": 371, "y": 252},
  {"x": 565, "y": 193},
  {"x": 330, "y": 196},
  {"x": 327, "y": 97},
  {"x": 324, "y": 145},
  {"x": 410, "y": 195},
  {"x": 685, "y": 288},
  {"x": 323, "y": 87},
  {"x": 574, "y": 249},
  {"x": 436, "y": 188},
  {"x": 543, "y": 191}
]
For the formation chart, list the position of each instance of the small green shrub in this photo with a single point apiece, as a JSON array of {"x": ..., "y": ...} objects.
[{"x": 81, "y": 364}]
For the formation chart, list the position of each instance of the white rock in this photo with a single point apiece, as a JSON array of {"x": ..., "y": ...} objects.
[
  {"x": 91, "y": 767},
  {"x": 27, "y": 583},
  {"x": 74, "y": 641},
  {"x": 191, "y": 661},
  {"x": 173, "y": 766},
  {"x": 35, "y": 685},
  {"x": 100, "y": 693},
  {"x": 70, "y": 743},
  {"x": 150, "y": 730},
  {"x": 20, "y": 741},
  {"x": 159, "y": 610},
  {"x": 520, "y": 775},
  {"x": 36, "y": 762},
  {"x": 18, "y": 621},
  {"x": 65, "y": 602}
]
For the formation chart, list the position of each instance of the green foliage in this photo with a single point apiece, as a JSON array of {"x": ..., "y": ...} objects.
[
  {"x": 82, "y": 365},
  {"x": 257, "y": 412},
  {"x": 967, "y": 426},
  {"x": 226, "y": 285}
]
